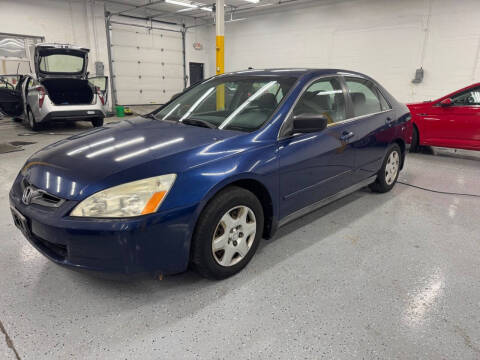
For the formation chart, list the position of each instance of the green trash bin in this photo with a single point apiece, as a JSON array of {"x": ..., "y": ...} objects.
[{"x": 120, "y": 110}]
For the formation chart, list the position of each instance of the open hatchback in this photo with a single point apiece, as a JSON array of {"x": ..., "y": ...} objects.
[{"x": 59, "y": 90}]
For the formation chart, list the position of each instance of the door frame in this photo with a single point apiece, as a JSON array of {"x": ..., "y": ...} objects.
[{"x": 190, "y": 71}]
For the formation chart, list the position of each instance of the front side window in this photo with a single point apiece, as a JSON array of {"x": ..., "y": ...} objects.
[
  {"x": 323, "y": 97},
  {"x": 61, "y": 63},
  {"x": 230, "y": 102},
  {"x": 467, "y": 98},
  {"x": 364, "y": 96}
]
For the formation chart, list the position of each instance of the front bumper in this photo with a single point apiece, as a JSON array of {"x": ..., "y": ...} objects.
[{"x": 157, "y": 243}]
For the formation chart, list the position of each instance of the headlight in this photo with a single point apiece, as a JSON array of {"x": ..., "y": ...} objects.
[{"x": 132, "y": 199}]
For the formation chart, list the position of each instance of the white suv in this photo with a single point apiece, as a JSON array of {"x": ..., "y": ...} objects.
[{"x": 59, "y": 90}]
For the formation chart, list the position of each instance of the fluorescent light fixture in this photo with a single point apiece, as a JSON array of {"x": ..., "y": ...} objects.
[
  {"x": 206, "y": 9},
  {"x": 185, "y": 10},
  {"x": 180, "y": 3},
  {"x": 253, "y": 1}
]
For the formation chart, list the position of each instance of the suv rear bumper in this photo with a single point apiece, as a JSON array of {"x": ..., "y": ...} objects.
[{"x": 73, "y": 115}]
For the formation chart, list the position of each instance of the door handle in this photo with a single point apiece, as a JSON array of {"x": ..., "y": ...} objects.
[{"x": 346, "y": 135}]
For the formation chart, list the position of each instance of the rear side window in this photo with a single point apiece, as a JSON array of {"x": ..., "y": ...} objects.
[
  {"x": 364, "y": 96},
  {"x": 383, "y": 102},
  {"x": 323, "y": 97}
]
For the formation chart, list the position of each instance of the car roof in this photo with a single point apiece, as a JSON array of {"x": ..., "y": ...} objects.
[{"x": 295, "y": 72}]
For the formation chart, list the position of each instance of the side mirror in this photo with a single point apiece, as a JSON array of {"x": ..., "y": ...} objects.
[
  {"x": 446, "y": 102},
  {"x": 308, "y": 123}
]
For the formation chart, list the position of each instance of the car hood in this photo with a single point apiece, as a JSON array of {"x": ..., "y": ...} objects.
[{"x": 83, "y": 164}]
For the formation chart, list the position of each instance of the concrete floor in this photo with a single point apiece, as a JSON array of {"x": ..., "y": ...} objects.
[{"x": 371, "y": 276}]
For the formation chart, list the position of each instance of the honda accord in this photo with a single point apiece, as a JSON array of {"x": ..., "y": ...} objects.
[{"x": 200, "y": 181}]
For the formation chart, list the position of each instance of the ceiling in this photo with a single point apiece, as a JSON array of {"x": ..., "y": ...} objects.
[{"x": 163, "y": 11}]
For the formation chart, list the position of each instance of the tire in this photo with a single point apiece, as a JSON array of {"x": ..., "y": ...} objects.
[
  {"x": 17, "y": 119},
  {"x": 414, "y": 146},
  {"x": 388, "y": 174},
  {"x": 31, "y": 122},
  {"x": 97, "y": 122},
  {"x": 232, "y": 222}
]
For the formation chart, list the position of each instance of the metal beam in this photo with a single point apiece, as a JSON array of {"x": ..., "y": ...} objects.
[
  {"x": 110, "y": 62},
  {"x": 184, "y": 50},
  {"x": 220, "y": 50},
  {"x": 136, "y": 7}
]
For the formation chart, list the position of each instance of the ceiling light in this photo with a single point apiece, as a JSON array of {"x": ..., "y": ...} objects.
[
  {"x": 253, "y": 1},
  {"x": 180, "y": 3},
  {"x": 206, "y": 9}
]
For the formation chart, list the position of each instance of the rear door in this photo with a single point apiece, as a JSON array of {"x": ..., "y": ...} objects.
[
  {"x": 11, "y": 99},
  {"x": 100, "y": 84},
  {"x": 372, "y": 125}
]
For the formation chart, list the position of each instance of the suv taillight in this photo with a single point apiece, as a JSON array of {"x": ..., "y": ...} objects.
[{"x": 41, "y": 95}]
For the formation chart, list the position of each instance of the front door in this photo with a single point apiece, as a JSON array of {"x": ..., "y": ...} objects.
[
  {"x": 11, "y": 100},
  {"x": 314, "y": 166},
  {"x": 196, "y": 73},
  {"x": 456, "y": 125}
]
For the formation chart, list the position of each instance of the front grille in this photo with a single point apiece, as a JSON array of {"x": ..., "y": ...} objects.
[{"x": 41, "y": 197}]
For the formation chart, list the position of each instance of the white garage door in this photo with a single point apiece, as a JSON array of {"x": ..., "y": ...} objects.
[{"x": 147, "y": 64}]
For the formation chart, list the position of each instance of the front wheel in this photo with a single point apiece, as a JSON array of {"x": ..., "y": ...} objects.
[
  {"x": 97, "y": 122},
  {"x": 388, "y": 174},
  {"x": 227, "y": 233}
]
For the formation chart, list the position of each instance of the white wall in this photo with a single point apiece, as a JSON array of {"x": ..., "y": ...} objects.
[
  {"x": 382, "y": 38},
  {"x": 206, "y": 37}
]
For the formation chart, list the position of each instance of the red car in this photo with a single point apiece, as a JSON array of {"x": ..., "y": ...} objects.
[{"x": 451, "y": 121}]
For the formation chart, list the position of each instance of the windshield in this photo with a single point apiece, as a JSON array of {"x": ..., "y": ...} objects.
[
  {"x": 61, "y": 63},
  {"x": 231, "y": 102}
]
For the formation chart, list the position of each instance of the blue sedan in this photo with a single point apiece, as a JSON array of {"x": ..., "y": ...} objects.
[{"x": 200, "y": 181}]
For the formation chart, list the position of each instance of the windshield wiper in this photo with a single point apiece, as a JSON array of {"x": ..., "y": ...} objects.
[
  {"x": 149, "y": 116},
  {"x": 199, "y": 122}
]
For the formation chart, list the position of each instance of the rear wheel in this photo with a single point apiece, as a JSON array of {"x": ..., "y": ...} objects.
[
  {"x": 227, "y": 233},
  {"x": 388, "y": 174},
  {"x": 31, "y": 122},
  {"x": 97, "y": 122},
  {"x": 415, "y": 140}
]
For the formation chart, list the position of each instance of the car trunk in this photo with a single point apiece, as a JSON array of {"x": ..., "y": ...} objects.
[{"x": 68, "y": 91}]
